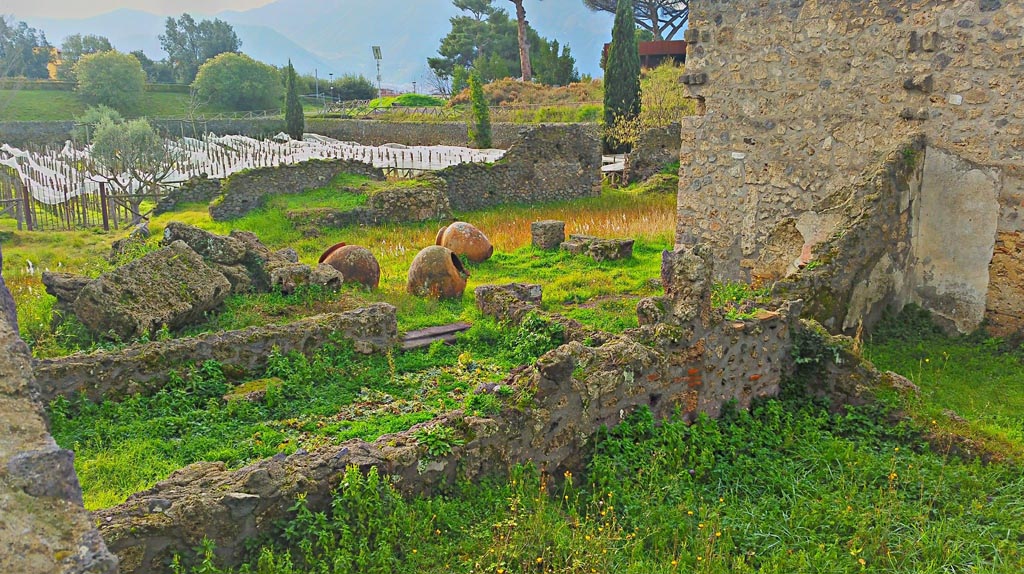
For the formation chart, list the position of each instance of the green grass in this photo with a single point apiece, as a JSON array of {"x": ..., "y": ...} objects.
[
  {"x": 344, "y": 192},
  {"x": 978, "y": 378},
  {"x": 127, "y": 446},
  {"x": 603, "y": 295},
  {"x": 785, "y": 488},
  {"x": 53, "y": 105},
  {"x": 790, "y": 486}
]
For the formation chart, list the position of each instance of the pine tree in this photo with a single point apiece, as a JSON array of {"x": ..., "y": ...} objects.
[
  {"x": 295, "y": 121},
  {"x": 480, "y": 130},
  {"x": 622, "y": 75}
]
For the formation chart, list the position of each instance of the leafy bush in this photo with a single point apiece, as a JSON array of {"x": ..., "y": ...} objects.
[
  {"x": 237, "y": 82},
  {"x": 85, "y": 124},
  {"x": 112, "y": 79},
  {"x": 350, "y": 87}
]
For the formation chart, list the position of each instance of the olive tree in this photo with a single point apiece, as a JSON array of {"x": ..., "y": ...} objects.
[{"x": 132, "y": 159}]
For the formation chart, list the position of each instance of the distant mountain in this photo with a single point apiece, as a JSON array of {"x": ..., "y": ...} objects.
[{"x": 335, "y": 36}]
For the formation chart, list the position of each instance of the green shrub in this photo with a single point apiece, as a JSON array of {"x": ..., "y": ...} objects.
[
  {"x": 237, "y": 82},
  {"x": 112, "y": 79}
]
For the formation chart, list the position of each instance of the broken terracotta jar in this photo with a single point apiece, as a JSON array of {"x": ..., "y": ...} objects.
[
  {"x": 465, "y": 239},
  {"x": 437, "y": 272},
  {"x": 355, "y": 263}
]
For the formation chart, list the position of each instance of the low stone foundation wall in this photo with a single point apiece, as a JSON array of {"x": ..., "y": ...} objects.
[
  {"x": 247, "y": 190},
  {"x": 655, "y": 149},
  {"x": 146, "y": 368},
  {"x": 547, "y": 163},
  {"x": 684, "y": 358},
  {"x": 195, "y": 190},
  {"x": 425, "y": 202},
  {"x": 373, "y": 132}
]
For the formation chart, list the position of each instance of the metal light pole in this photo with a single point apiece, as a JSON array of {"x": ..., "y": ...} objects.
[
  {"x": 377, "y": 56},
  {"x": 332, "y": 86}
]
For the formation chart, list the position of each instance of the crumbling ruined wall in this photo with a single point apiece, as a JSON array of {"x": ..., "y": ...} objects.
[
  {"x": 547, "y": 163},
  {"x": 656, "y": 148},
  {"x": 43, "y": 527},
  {"x": 376, "y": 132},
  {"x": 194, "y": 190},
  {"x": 145, "y": 368},
  {"x": 801, "y": 98},
  {"x": 685, "y": 358},
  {"x": 247, "y": 190}
]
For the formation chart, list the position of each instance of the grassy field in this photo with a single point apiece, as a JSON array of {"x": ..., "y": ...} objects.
[
  {"x": 603, "y": 294},
  {"x": 791, "y": 486},
  {"x": 54, "y": 105}
]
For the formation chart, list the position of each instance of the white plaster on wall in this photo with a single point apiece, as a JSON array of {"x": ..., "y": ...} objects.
[{"x": 954, "y": 238}]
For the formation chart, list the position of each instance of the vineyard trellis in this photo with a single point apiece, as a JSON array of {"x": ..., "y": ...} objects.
[{"x": 50, "y": 189}]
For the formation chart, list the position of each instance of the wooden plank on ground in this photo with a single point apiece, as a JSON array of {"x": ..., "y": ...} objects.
[{"x": 426, "y": 337}]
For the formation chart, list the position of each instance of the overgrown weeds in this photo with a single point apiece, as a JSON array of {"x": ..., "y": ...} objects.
[{"x": 786, "y": 487}]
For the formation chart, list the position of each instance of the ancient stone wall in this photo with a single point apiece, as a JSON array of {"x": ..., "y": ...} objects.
[
  {"x": 367, "y": 132},
  {"x": 54, "y": 134},
  {"x": 245, "y": 191},
  {"x": 868, "y": 265},
  {"x": 686, "y": 357},
  {"x": 373, "y": 132},
  {"x": 655, "y": 149},
  {"x": 195, "y": 190},
  {"x": 145, "y": 368},
  {"x": 800, "y": 98},
  {"x": 426, "y": 201},
  {"x": 547, "y": 163},
  {"x": 43, "y": 527}
]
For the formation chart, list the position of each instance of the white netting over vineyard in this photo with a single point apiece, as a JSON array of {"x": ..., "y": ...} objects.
[{"x": 56, "y": 176}]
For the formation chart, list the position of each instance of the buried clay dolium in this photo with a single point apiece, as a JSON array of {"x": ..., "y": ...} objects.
[
  {"x": 357, "y": 264},
  {"x": 437, "y": 272}
]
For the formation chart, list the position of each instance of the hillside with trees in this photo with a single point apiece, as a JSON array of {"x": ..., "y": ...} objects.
[{"x": 485, "y": 38}]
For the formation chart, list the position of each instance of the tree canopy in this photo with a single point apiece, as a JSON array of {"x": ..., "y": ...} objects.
[
  {"x": 662, "y": 18},
  {"x": 352, "y": 87},
  {"x": 112, "y": 79},
  {"x": 189, "y": 44},
  {"x": 486, "y": 39},
  {"x": 294, "y": 118},
  {"x": 132, "y": 158},
  {"x": 238, "y": 82},
  {"x": 622, "y": 76},
  {"x": 74, "y": 47},
  {"x": 24, "y": 51}
]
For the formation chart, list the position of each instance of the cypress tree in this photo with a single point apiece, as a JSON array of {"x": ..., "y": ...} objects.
[
  {"x": 622, "y": 73},
  {"x": 294, "y": 119},
  {"x": 480, "y": 130}
]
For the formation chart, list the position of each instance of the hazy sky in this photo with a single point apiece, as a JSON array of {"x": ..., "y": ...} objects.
[{"x": 86, "y": 8}]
